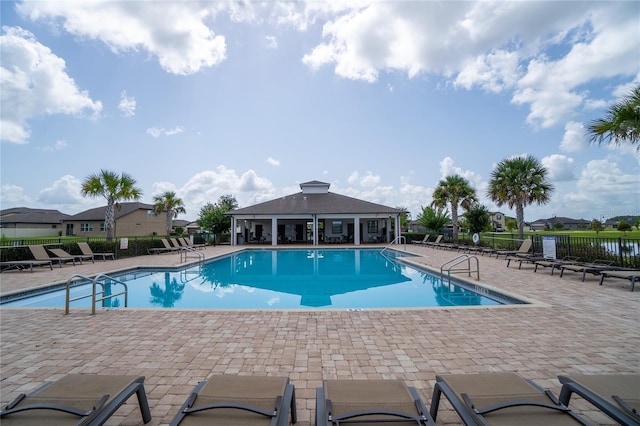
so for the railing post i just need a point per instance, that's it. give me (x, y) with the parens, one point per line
(620, 255)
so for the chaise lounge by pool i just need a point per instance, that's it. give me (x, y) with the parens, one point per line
(280, 279)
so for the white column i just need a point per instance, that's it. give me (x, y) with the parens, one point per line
(234, 234)
(356, 230)
(274, 231)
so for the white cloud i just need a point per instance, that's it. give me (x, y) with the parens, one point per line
(14, 195)
(157, 132)
(58, 145)
(173, 32)
(64, 191)
(559, 167)
(573, 139)
(273, 161)
(127, 104)
(272, 42)
(35, 83)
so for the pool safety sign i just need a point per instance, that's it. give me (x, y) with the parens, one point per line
(549, 247)
(124, 243)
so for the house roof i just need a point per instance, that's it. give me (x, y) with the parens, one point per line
(315, 203)
(559, 219)
(99, 212)
(27, 215)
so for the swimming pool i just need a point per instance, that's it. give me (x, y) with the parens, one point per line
(283, 279)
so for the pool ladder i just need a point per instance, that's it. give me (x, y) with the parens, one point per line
(185, 251)
(95, 296)
(450, 266)
(401, 239)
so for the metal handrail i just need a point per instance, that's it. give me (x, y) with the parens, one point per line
(186, 250)
(94, 294)
(398, 238)
(457, 261)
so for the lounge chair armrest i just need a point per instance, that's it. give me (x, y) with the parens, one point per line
(266, 413)
(394, 413)
(626, 407)
(512, 403)
(55, 407)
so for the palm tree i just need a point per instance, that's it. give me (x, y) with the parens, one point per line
(456, 191)
(519, 181)
(168, 202)
(114, 188)
(622, 122)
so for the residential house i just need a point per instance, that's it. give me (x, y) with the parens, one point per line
(557, 221)
(132, 220)
(23, 222)
(315, 216)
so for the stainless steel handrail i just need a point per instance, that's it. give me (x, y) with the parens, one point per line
(457, 261)
(94, 294)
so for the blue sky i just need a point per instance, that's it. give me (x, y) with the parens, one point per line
(380, 99)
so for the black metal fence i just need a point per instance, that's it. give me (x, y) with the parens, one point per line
(16, 249)
(619, 250)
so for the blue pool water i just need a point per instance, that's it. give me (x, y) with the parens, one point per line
(283, 279)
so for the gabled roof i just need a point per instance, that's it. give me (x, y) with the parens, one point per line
(27, 215)
(324, 203)
(98, 213)
(560, 219)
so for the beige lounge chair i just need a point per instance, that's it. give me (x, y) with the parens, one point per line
(85, 399)
(24, 264)
(618, 396)
(239, 401)
(40, 253)
(501, 399)
(86, 250)
(436, 242)
(631, 275)
(168, 248)
(188, 243)
(423, 241)
(596, 267)
(370, 402)
(58, 252)
(523, 250)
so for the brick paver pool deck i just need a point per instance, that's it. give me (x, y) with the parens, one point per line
(577, 327)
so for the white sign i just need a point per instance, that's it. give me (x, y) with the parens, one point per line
(549, 247)
(124, 243)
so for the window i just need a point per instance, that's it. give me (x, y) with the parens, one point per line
(372, 226)
(150, 213)
(336, 227)
(102, 227)
(86, 227)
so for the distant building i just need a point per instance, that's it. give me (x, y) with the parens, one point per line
(132, 220)
(498, 221)
(23, 222)
(558, 222)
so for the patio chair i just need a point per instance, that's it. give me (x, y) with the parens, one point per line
(86, 250)
(500, 399)
(595, 267)
(187, 242)
(436, 242)
(423, 241)
(369, 402)
(58, 252)
(239, 400)
(523, 250)
(632, 275)
(85, 399)
(555, 263)
(40, 253)
(618, 396)
(24, 264)
(166, 249)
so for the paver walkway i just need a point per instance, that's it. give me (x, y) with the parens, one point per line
(577, 327)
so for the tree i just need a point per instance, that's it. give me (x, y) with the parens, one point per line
(434, 219)
(168, 202)
(621, 123)
(511, 225)
(478, 218)
(624, 226)
(213, 218)
(457, 192)
(114, 188)
(596, 225)
(518, 182)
